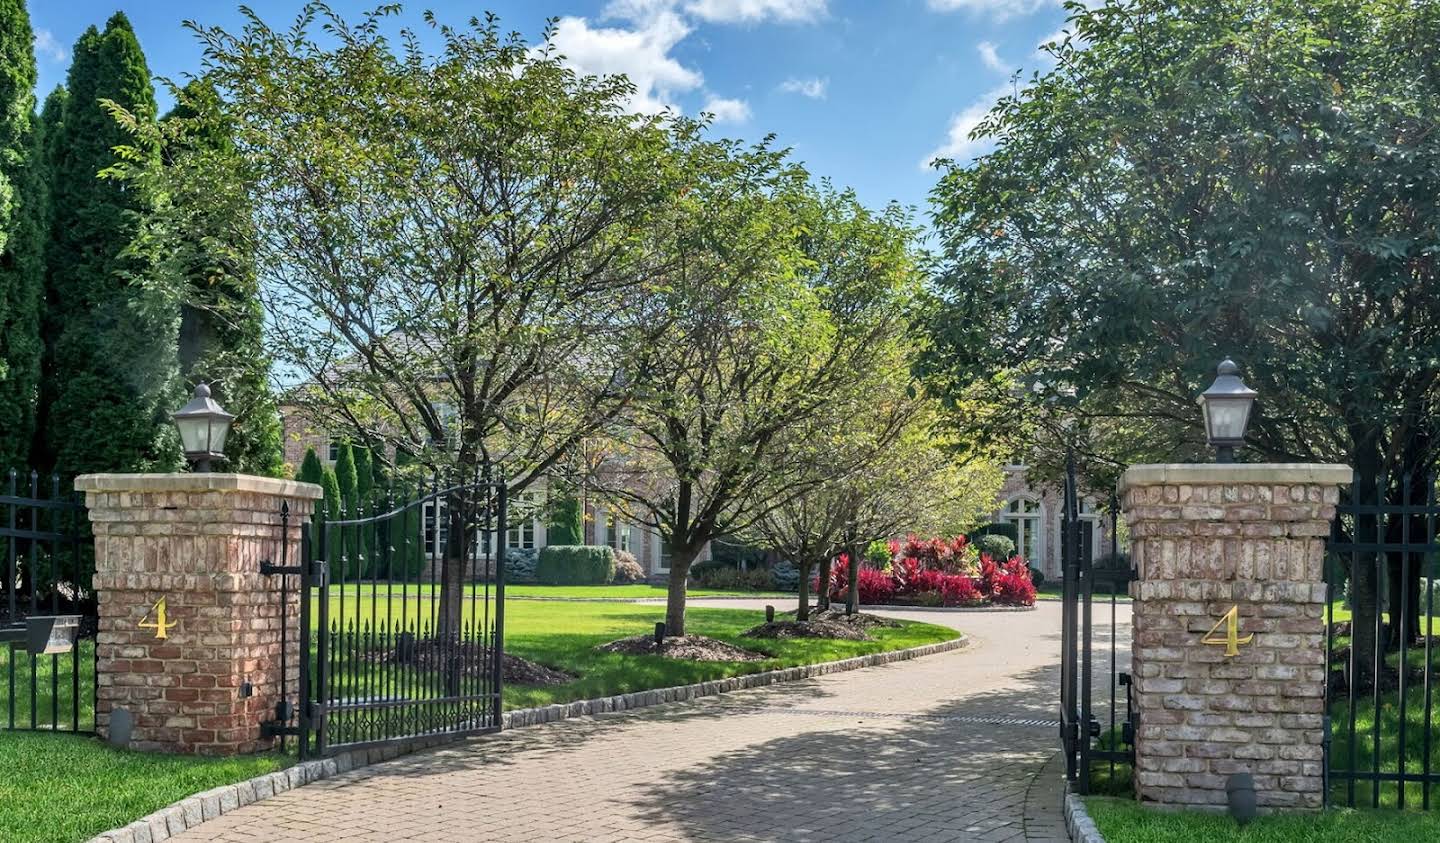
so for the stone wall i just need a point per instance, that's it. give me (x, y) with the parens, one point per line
(1206, 539)
(196, 541)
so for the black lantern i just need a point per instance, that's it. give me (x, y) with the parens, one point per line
(1226, 405)
(203, 426)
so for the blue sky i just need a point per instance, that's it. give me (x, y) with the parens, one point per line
(863, 91)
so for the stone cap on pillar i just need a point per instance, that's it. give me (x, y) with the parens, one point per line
(197, 482)
(1214, 474)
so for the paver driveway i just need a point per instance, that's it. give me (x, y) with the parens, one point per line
(947, 747)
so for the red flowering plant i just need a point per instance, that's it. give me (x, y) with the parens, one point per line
(938, 571)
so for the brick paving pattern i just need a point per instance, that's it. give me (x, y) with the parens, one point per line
(948, 747)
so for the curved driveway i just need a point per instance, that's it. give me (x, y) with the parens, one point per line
(946, 747)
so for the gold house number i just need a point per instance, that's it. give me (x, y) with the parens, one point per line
(1231, 638)
(159, 624)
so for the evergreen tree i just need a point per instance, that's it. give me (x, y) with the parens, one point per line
(364, 474)
(311, 469)
(114, 353)
(346, 477)
(331, 487)
(24, 225)
(221, 320)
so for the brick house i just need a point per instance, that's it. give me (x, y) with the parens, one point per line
(602, 526)
(1037, 510)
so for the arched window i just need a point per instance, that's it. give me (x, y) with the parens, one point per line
(1026, 515)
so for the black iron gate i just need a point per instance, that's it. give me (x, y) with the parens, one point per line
(402, 617)
(1093, 733)
(1382, 719)
(47, 611)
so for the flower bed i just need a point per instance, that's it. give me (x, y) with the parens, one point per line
(937, 572)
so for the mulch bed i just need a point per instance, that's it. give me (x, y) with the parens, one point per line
(859, 619)
(814, 628)
(691, 647)
(518, 671)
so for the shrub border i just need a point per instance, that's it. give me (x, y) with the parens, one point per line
(192, 811)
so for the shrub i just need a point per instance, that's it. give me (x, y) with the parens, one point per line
(879, 553)
(876, 587)
(627, 568)
(996, 546)
(1007, 584)
(520, 565)
(725, 577)
(998, 528)
(1037, 577)
(562, 564)
(785, 577)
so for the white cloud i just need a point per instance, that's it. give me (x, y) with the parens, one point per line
(47, 45)
(642, 54)
(756, 11)
(959, 145)
(815, 88)
(990, 56)
(997, 10)
(727, 110)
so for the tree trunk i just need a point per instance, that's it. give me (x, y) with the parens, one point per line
(822, 584)
(802, 609)
(852, 596)
(680, 561)
(452, 588)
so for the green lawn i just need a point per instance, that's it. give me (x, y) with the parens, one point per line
(72, 787)
(1126, 821)
(1051, 590)
(631, 592)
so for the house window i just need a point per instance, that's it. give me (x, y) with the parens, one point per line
(617, 534)
(334, 450)
(522, 534)
(437, 530)
(1025, 514)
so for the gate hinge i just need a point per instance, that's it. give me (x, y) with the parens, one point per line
(275, 729)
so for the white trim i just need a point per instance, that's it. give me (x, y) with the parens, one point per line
(1035, 518)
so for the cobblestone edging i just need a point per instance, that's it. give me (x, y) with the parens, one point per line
(1077, 821)
(207, 805)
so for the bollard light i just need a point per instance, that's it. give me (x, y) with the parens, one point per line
(204, 426)
(1226, 406)
(1240, 794)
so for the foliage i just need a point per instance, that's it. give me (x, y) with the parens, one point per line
(627, 568)
(24, 227)
(784, 576)
(879, 553)
(996, 546)
(112, 360)
(725, 577)
(221, 319)
(998, 528)
(575, 565)
(1127, 821)
(1203, 178)
(566, 524)
(939, 572)
(330, 488)
(520, 565)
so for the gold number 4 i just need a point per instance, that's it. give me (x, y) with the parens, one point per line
(1231, 639)
(159, 624)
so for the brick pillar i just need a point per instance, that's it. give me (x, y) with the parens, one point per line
(196, 541)
(1206, 538)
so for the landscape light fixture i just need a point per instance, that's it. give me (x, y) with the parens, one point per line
(1226, 405)
(203, 426)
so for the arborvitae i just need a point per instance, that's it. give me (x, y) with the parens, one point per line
(331, 488)
(346, 477)
(311, 469)
(113, 381)
(221, 320)
(24, 225)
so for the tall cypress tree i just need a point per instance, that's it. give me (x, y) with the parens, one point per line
(114, 354)
(221, 320)
(24, 225)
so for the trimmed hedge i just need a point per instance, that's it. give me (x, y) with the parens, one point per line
(997, 528)
(573, 564)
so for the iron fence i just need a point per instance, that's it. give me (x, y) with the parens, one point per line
(47, 612)
(1382, 748)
